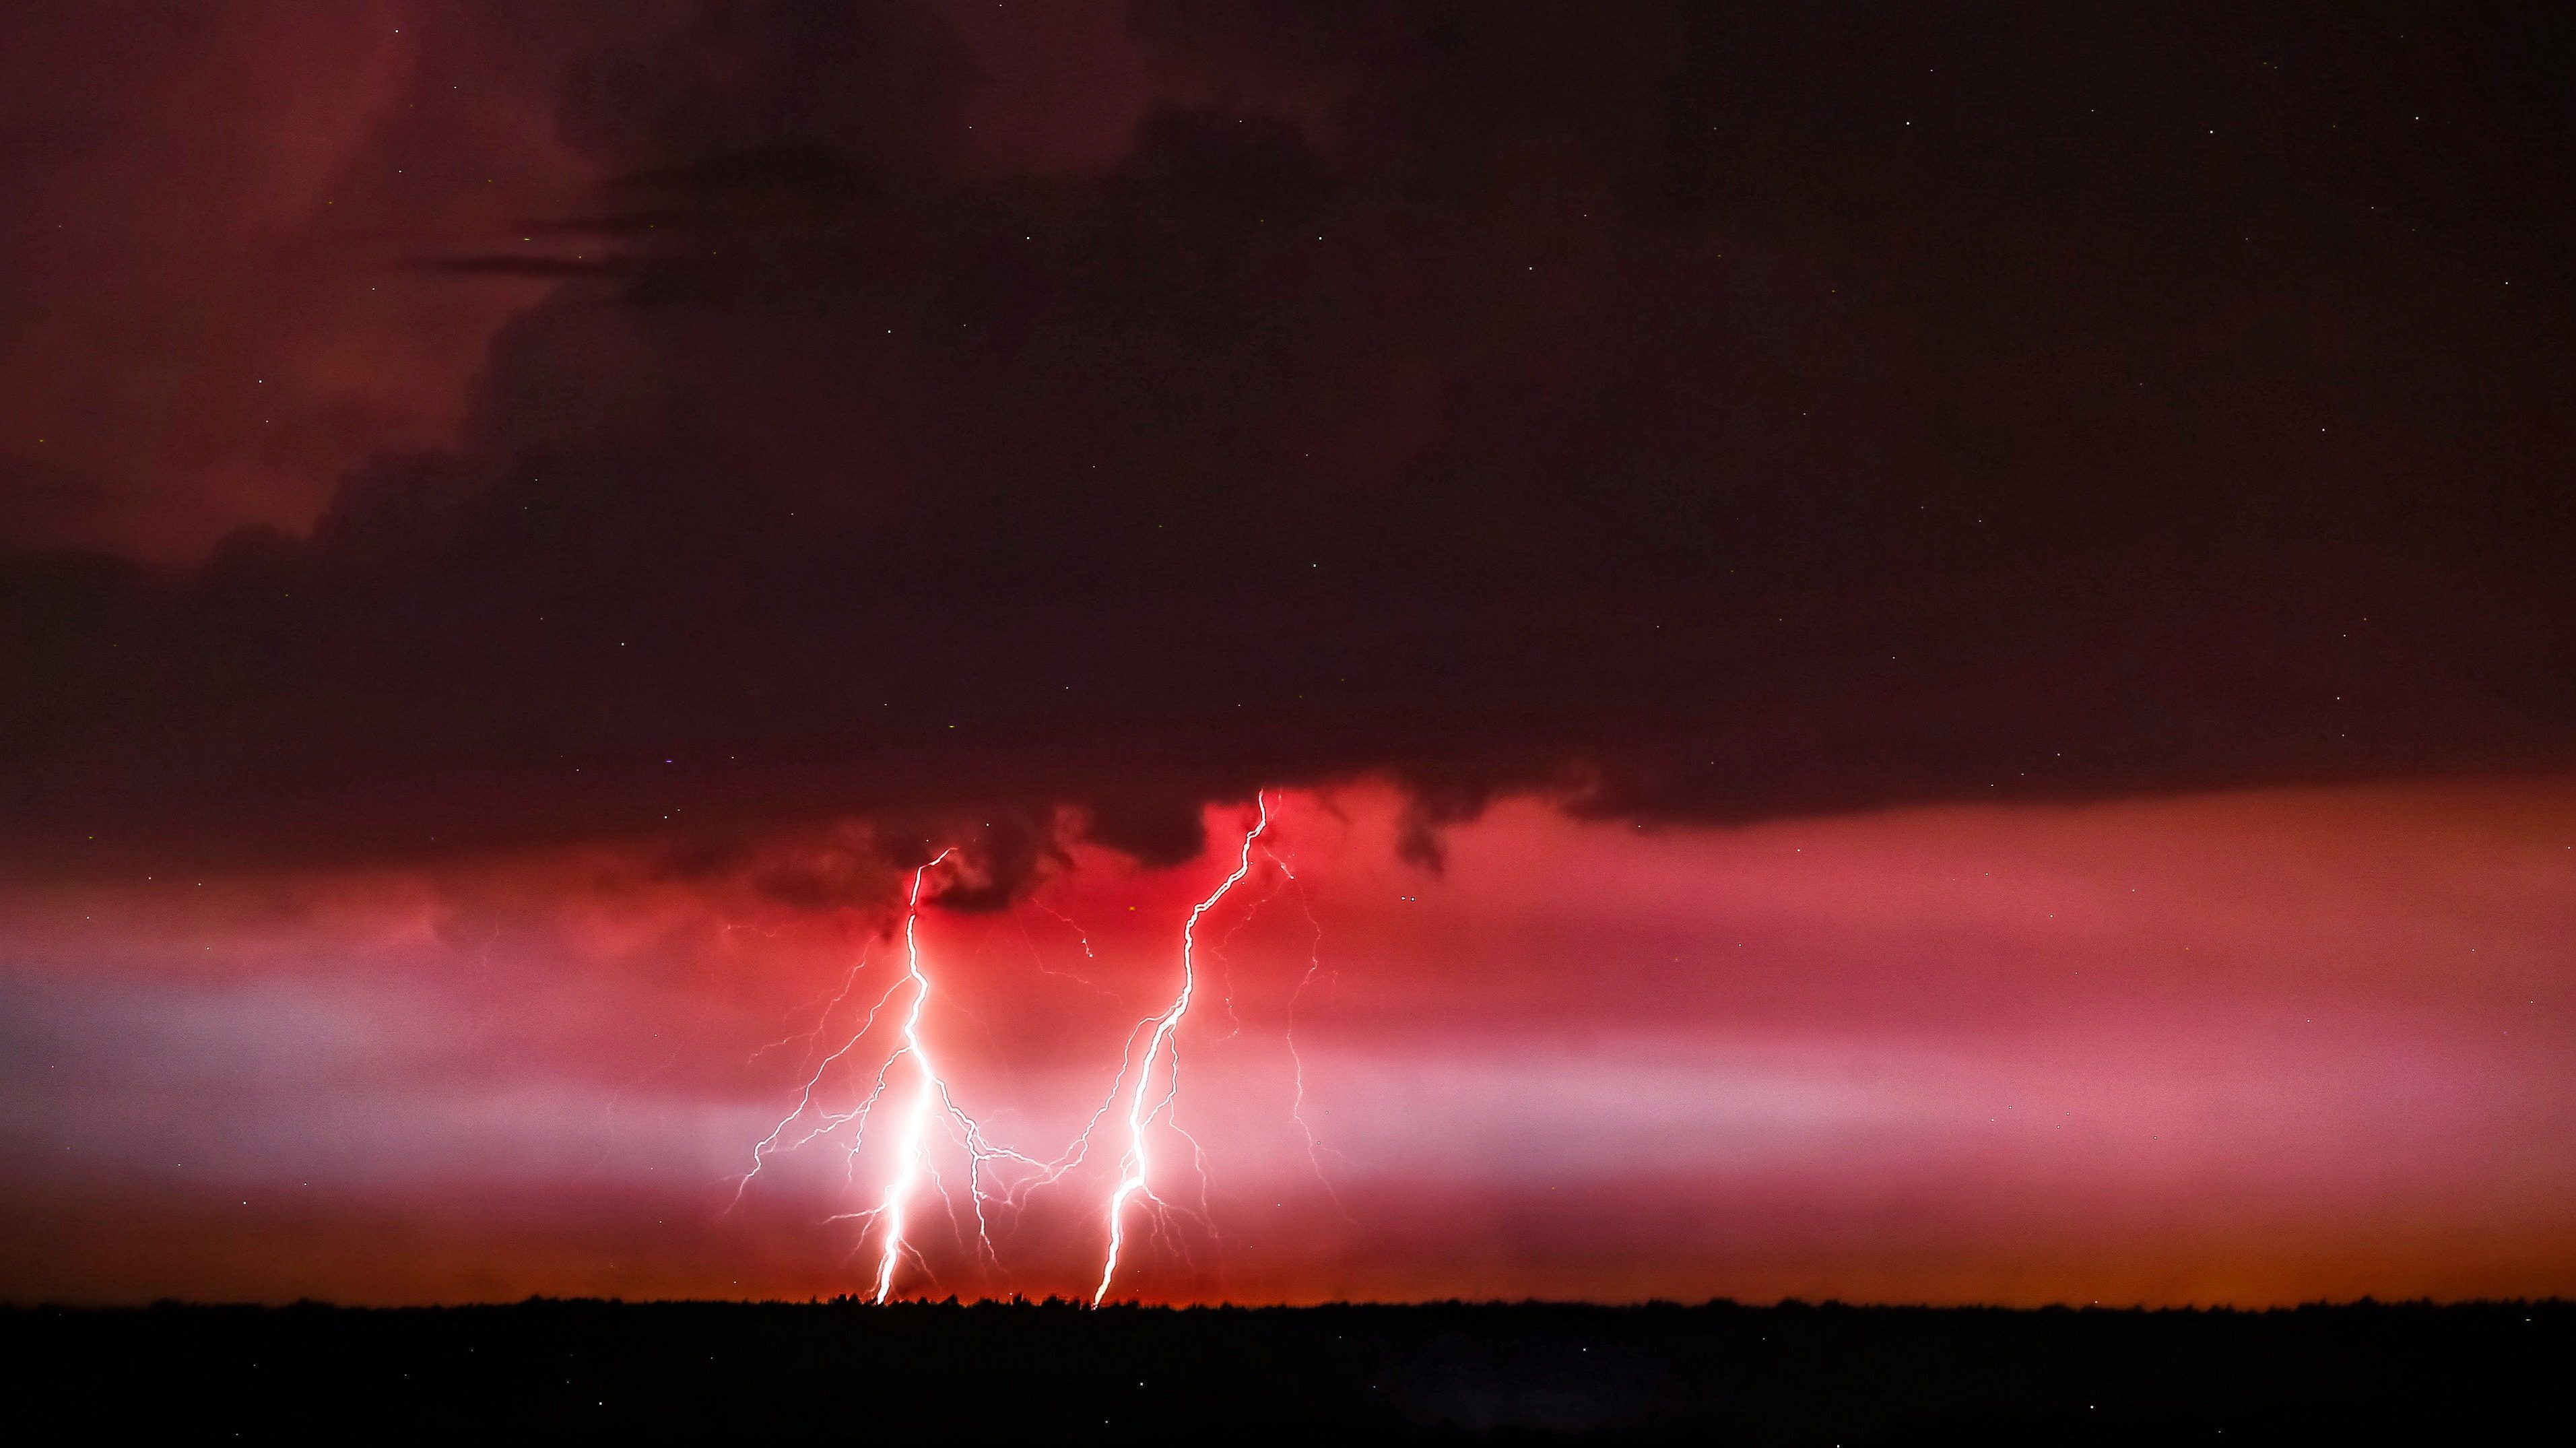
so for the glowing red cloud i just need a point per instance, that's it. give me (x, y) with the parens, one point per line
(2251, 1047)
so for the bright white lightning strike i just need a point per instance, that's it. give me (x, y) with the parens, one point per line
(1135, 1168)
(925, 1099)
(898, 1194)
(929, 1099)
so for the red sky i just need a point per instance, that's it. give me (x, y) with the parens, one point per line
(215, 206)
(220, 212)
(1975, 607)
(2253, 1047)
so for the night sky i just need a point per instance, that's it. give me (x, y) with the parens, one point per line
(1898, 652)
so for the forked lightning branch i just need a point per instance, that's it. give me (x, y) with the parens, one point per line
(905, 1083)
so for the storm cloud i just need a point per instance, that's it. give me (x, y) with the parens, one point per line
(1486, 397)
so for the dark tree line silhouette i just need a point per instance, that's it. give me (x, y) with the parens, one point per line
(1044, 1372)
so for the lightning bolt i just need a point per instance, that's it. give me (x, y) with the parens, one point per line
(916, 1121)
(1135, 1168)
(929, 1102)
(906, 1080)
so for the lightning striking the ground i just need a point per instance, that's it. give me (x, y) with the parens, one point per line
(916, 1118)
(907, 1081)
(1135, 1168)
(929, 1100)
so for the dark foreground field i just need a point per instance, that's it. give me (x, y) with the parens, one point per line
(842, 1372)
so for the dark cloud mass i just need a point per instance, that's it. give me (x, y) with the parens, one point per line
(1714, 411)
